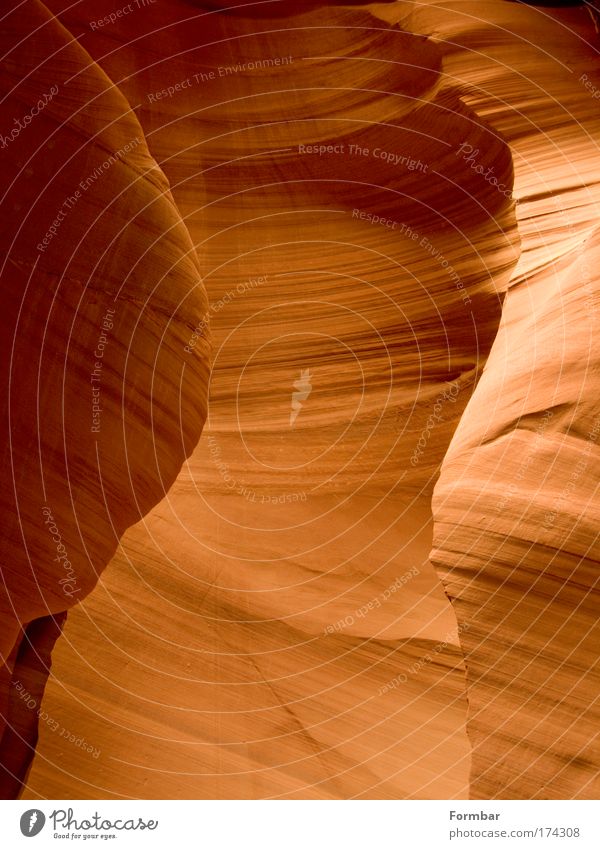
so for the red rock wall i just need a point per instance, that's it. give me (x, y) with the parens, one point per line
(101, 292)
(392, 210)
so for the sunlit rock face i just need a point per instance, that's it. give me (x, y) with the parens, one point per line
(522, 568)
(274, 627)
(516, 510)
(351, 313)
(101, 290)
(24, 683)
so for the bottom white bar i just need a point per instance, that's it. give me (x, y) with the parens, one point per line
(303, 825)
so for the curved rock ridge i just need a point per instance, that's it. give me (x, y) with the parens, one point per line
(274, 628)
(26, 676)
(516, 514)
(354, 293)
(218, 707)
(279, 172)
(101, 291)
(517, 543)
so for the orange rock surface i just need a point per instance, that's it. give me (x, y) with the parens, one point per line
(392, 211)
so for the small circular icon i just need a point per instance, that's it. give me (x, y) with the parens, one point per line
(32, 822)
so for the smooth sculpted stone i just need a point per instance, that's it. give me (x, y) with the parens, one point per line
(101, 293)
(274, 627)
(516, 507)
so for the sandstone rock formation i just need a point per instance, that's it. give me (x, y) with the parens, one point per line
(101, 293)
(274, 627)
(516, 506)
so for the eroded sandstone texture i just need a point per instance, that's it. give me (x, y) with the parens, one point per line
(101, 290)
(392, 211)
(516, 507)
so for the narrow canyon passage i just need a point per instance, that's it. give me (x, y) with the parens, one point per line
(346, 552)
(305, 629)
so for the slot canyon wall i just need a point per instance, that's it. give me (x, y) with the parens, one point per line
(300, 400)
